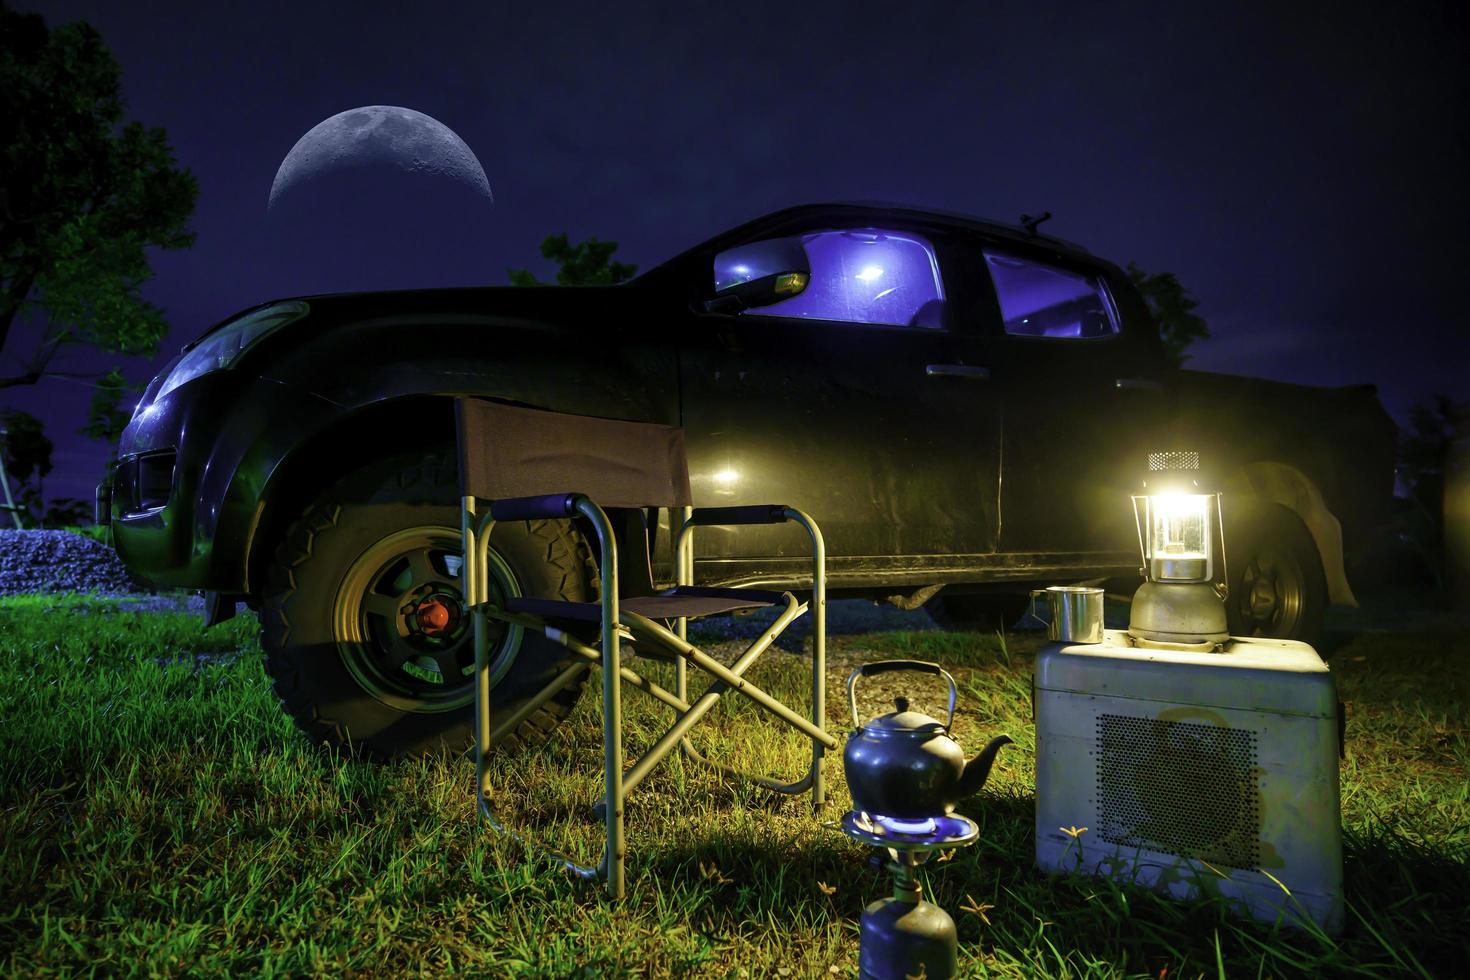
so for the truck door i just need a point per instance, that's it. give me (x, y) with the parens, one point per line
(851, 401)
(1081, 385)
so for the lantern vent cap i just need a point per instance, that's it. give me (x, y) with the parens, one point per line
(1174, 460)
(1177, 471)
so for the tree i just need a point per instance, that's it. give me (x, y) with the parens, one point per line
(587, 263)
(81, 198)
(27, 458)
(1173, 309)
(26, 452)
(1436, 427)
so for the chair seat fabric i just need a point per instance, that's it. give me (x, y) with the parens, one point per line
(688, 601)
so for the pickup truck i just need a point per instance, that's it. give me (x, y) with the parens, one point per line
(965, 407)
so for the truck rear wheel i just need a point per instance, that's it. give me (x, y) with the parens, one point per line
(1277, 588)
(366, 636)
(983, 612)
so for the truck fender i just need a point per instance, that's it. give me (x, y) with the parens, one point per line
(282, 479)
(1280, 483)
(332, 450)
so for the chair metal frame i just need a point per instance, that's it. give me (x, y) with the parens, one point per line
(619, 625)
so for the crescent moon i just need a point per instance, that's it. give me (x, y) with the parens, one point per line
(413, 141)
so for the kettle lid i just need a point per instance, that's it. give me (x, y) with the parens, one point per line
(902, 720)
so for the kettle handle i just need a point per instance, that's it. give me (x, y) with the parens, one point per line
(883, 667)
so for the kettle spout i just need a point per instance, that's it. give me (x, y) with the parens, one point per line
(977, 770)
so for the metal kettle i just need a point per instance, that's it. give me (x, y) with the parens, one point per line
(905, 765)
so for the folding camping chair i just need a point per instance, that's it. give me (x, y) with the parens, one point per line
(520, 463)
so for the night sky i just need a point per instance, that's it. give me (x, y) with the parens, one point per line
(1302, 170)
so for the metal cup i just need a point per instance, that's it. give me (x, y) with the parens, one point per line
(1076, 612)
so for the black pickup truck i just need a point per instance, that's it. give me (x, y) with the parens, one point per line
(963, 406)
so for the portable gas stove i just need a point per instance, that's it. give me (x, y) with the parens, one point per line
(906, 935)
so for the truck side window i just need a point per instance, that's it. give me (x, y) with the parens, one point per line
(1040, 300)
(868, 276)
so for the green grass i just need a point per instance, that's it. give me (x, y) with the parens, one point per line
(160, 816)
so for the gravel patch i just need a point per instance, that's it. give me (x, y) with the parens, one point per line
(192, 603)
(59, 561)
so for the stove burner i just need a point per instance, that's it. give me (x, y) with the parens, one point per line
(893, 824)
(928, 834)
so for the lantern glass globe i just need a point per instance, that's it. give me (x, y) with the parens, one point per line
(1180, 543)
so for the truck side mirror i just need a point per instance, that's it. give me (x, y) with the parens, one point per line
(759, 274)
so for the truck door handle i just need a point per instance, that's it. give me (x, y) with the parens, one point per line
(1138, 384)
(958, 371)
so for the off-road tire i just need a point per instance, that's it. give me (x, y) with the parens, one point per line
(1277, 586)
(983, 612)
(301, 632)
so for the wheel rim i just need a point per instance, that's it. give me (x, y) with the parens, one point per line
(1272, 594)
(403, 631)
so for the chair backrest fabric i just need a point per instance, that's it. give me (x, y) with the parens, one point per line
(506, 451)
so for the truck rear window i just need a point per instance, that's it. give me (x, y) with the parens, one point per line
(1041, 300)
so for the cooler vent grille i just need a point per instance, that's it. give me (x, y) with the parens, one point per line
(1179, 788)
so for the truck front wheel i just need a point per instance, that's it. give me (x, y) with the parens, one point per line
(367, 638)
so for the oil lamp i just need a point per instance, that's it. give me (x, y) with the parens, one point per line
(1179, 521)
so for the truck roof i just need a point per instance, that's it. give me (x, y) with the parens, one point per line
(875, 212)
(845, 211)
(989, 225)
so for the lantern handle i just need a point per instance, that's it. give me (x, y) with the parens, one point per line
(885, 666)
(1138, 522)
(1223, 589)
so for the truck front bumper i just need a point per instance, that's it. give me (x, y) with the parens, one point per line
(186, 493)
(154, 496)
(102, 513)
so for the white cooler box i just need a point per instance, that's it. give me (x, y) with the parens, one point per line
(1179, 763)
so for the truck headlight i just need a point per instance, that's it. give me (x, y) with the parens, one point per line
(218, 350)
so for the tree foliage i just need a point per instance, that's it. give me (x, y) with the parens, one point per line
(27, 449)
(82, 196)
(106, 417)
(586, 263)
(1173, 309)
(26, 452)
(27, 459)
(1436, 427)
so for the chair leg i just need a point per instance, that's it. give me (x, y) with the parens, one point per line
(684, 575)
(685, 721)
(612, 736)
(725, 679)
(476, 537)
(482, 712)
(612, 700)
(819, 672)
(819, 647)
